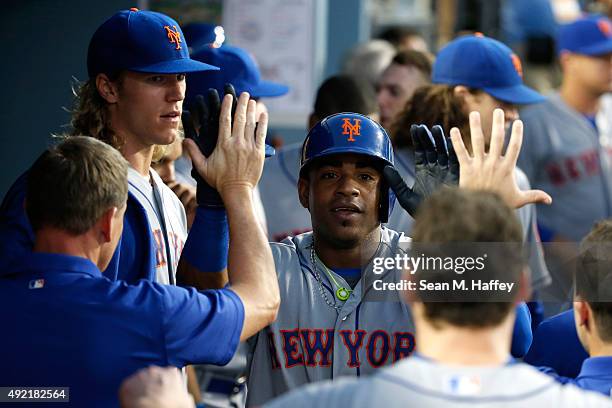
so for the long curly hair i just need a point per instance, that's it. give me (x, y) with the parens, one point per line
(90, 115)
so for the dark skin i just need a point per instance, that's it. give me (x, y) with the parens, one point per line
(343, 239)
(342, 194)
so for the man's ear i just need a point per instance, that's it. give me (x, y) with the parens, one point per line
(583, 313)
(107, 225)
(304, 192)
(107, 89)
(461, 91)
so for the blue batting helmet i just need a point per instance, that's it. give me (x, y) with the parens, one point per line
(351, 133)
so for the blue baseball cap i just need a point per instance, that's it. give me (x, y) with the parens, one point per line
(141, 41)
(591, 35)
(483, 63)
(237, 68)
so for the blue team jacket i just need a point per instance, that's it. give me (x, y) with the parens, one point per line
(133, 259)
(66, 325)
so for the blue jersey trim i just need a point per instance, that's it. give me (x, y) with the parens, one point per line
(144, 195)
(357, 328)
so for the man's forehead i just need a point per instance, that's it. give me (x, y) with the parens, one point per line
(358, 160)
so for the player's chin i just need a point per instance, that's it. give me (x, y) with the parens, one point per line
(166, 136)
(347, 233)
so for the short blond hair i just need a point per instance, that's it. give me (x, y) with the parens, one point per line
(73, 183)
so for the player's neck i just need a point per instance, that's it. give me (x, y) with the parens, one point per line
(138, 156)
(55, 241)
(599, 348)
(579, 98)
(334, 256)
(465, 346)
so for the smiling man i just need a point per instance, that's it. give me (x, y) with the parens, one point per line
(325, 329)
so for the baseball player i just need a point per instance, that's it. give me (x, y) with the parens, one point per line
(72, 327)
(286, 216)
(324, 328)
(464, 85)
(463, 348)
(569, 137)
(133, 101)
(568, 151)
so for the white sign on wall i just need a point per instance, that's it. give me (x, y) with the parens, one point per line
(280, 34)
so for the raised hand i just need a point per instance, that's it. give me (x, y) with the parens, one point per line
(494, 171)
(204, 115)
(237, 158)
(436, 165)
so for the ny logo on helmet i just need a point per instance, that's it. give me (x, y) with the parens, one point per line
(174, 36)
(353, 129)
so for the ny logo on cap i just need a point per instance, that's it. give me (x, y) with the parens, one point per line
(605, 27)
(353, 129)
(518, 67)
(174, 36)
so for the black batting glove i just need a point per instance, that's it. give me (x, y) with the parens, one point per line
(436, 165)
(203, 114)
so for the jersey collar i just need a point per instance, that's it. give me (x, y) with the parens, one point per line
(596, 366)
(51, 263)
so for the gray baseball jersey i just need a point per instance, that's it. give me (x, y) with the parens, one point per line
(287, 217)
(564, 155)
(311, 340)
(166, 216)
(419, 382)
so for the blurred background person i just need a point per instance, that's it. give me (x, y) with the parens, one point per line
(367, 61)
(461, 85)
(404, 38)
(407, 71)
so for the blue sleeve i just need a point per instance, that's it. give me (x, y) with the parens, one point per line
(201, 327)
(556, 345)
(522, 335)
(207, 244)
(16, 235)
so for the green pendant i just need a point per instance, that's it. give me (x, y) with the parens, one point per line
(342, 294)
